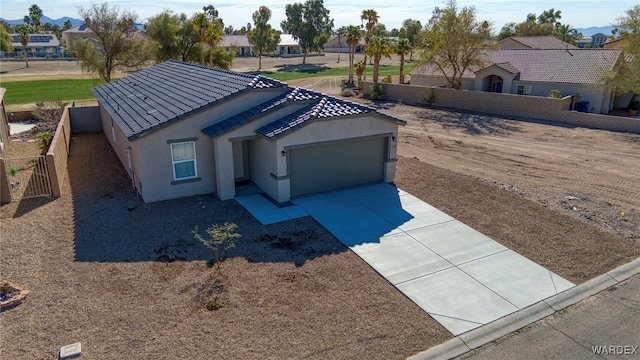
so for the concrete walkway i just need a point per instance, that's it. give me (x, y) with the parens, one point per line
(462, 278)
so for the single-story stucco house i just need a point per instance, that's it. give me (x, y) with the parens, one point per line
(536, 72)
(182, 129)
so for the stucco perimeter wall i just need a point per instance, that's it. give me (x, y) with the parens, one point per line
(508, 105)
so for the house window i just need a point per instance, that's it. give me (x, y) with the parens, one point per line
(523, 90)
(183, 156)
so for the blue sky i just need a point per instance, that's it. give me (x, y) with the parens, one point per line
(578, 13)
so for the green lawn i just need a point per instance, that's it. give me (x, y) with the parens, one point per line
(315, 71)
(25, 92)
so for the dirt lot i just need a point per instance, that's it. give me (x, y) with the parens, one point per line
(567, 198)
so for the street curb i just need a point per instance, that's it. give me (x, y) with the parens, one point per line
(492, 331)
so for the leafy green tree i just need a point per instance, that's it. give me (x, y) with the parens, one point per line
(221, 58)
(353, 35)
(163, 29)
(24, 32)
(454, 42)
(403, 48)
(67, 25)
(309, 23)
(411, 30)
(508, 30)
(115, 41)
(371, 17)
(379, 47)
(627, 75)
(263, 38)
(5, 39)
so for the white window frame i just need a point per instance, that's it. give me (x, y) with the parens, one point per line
(194, 160)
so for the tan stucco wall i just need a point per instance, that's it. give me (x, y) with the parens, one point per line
(225, 184)
(439, 81)
(154, 153)
(599, 97)
(120, 144)
(518, 106)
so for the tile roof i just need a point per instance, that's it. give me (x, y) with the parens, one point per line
(319, 106)
(575, 66)
(170, 91)
(538, 42)
(322, 107)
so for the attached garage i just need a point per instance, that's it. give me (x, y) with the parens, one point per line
(335, 165)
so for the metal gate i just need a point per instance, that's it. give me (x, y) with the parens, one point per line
(28, 177)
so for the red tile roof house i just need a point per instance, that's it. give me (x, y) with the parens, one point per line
(182, 129)
(536, 72)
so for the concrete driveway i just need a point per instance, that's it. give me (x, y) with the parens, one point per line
(462, 278)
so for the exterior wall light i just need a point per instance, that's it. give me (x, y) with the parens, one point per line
(284, 153)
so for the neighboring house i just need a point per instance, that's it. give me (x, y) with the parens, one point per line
(82, 31)
(533, 42)
(593, 41)
(536, 72)
(238, 44)
(288, 45)
(39, 45)
(332, 45)
(615, 43)
(182, 129)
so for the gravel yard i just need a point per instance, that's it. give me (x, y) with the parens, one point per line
(133, 282)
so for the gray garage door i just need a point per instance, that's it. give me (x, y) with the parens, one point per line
(337, 165)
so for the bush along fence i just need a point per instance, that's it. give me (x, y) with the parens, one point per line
(507, 105)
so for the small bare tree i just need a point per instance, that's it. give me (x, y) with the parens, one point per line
(221, 238)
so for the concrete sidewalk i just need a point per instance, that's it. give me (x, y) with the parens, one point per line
(462, 278)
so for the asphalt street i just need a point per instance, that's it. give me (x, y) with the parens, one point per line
(606, 325)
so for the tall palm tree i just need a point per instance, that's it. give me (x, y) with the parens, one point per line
(213, 36)
(25, 35)
(565, 33)
(201, 22)
(371, 17)
(403, 48)
(379, 47)
(353, 36)
(340, 33)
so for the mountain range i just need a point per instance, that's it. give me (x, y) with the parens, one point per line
(596, 29)
(45, 19)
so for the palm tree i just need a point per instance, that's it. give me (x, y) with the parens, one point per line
(201, 22)
(403, 48)
(340, 33)
(371, 17)
(25, 35)
(35, 14)
(353, 35)
(379, 47)
(565, 33)
(213, 36)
